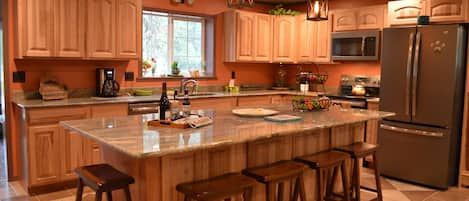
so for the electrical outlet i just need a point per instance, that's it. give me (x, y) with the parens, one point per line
(129, 76)
(19, 76)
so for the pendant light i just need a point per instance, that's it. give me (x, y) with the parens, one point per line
(240, 3)
(317, 10)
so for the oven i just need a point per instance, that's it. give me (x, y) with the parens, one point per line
(347, 97)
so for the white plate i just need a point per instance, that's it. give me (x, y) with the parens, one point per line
(254, 112)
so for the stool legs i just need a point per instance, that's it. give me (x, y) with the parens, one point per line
(247, 195)
(109, 196)
(299, 189)
(377, 178)
(345, 182)
(356, 178)
(99, 196)
(79, 195)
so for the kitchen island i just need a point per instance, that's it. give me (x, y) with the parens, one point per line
(161, 158)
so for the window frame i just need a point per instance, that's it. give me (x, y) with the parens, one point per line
(185, 17)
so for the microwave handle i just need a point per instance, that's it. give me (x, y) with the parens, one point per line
(363, 45)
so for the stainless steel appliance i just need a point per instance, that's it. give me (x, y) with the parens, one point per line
(349, 84)
(422, 81)
(106, 85)
(356, 45)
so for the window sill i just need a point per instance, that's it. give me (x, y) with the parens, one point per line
(149, 79)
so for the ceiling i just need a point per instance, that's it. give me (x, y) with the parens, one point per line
(280, 1)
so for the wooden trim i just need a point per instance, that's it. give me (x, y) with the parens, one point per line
(49, 188)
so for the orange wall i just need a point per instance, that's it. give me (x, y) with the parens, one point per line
(81, 74)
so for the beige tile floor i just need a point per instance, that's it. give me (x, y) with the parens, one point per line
(392, 191)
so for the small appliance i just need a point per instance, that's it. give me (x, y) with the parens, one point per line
(356, 45)
(106, 85)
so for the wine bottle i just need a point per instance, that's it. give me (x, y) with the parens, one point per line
(164, 103)
(186, 104)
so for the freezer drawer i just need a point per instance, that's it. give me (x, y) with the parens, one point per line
(416, 154)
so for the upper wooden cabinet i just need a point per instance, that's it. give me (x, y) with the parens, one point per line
(36, 32)
(371, 17)
(70, 28)
(58, 28)
(446, 10)
(248, 37)
(305, 40)
(284, 39)
(101, 28)
(405, 11)
(323, 42)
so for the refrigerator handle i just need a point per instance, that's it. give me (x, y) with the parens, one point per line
(408, 73)
(410, 131)
(415, 73)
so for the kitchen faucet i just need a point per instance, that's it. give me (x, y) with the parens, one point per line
(185, 82)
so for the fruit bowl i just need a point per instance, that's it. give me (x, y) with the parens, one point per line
(310, 103)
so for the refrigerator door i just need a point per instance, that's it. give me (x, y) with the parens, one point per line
(437, 57)
(396, 69)
(415, 153)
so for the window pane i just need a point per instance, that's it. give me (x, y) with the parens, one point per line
(180, 46)
(195, 28)
(155, 43)
(180, 28)
(195, 47)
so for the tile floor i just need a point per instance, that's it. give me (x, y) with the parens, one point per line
(392, 190)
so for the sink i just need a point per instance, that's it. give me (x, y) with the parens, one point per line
(200, 94)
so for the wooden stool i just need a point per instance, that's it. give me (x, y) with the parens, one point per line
(328, 160)
(218, 188)
(102, 178)
(358, 151)
(276, 174)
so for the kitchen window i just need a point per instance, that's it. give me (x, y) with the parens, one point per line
(169, 38)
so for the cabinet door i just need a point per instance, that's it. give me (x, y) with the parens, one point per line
(405, 11)
(36, 27)
(370, 17)
(244, 36)
(44, 154)
(70, 28)
(72, 151)
(128, 28)
(92, 151)
(446, 10)
(305, 40)
(323, 42)
(263, 38)
(101, 28)
(345, 20)
(284, 39)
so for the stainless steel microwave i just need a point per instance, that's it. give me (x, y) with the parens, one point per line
(356, 45)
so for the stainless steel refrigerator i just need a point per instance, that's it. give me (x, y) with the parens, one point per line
(422, 81)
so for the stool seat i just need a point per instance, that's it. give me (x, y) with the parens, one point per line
(217, 188)
(358, 149)
(103, 176)
(276, 171)
(323, 159)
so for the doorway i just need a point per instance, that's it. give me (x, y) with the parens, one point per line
(3, 157)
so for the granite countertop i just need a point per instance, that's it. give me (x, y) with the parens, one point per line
(132, 136)
(38, 103)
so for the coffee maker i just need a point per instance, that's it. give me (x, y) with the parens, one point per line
(106, 85)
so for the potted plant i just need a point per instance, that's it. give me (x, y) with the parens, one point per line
(174, 68)
(149, 65)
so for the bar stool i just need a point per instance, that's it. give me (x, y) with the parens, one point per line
(328, 160)
(358, 151)
(102, 178)
(275, 175)
(218, 188)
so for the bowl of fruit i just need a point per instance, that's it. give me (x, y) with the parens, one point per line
(301, 103)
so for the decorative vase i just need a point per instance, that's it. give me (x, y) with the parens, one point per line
(175, 71)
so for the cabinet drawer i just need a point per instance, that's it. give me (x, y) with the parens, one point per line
(109, 110)
(54, 115)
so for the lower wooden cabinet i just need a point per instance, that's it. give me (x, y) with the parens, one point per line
(92, 152)
(254, 101)
(44, 154)
(72, 153)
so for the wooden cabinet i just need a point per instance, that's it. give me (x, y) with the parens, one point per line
(72, 154)
(36, 32)
(446, 10)
(284, 43)
(323, 42)
(263, 32)
(405, 11)
(305, 40)
(70, 28)
(44, 154)
(128, 28)
(371, 17)
(345, 20)
(248, 37)
(213, 103)
(101, 28)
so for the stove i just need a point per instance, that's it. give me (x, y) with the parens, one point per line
(348, 97)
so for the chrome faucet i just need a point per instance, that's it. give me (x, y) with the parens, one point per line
(185, 82)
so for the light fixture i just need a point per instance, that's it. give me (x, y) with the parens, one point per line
(190, 2)
(240, 3)
(317, 10)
